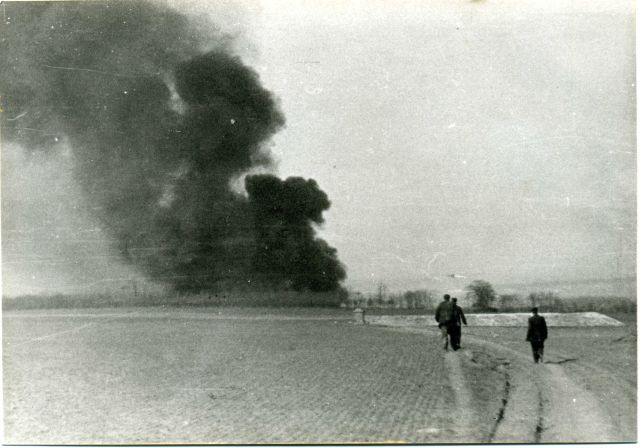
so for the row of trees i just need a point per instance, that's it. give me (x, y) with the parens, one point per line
(484, 298)
(480, 293)
(420, 299)
(481, 296)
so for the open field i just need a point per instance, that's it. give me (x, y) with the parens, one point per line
(218, 376)
(257, 375)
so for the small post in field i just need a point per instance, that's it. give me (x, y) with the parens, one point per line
(358, 315)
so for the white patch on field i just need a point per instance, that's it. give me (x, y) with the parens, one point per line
(589, 319)
(429, 431)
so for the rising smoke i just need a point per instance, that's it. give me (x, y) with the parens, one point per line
(161, 118)
(286, 247)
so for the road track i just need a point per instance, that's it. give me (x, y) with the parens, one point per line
(545, 405)
(541, 403)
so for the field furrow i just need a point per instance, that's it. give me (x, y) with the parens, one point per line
(172, 379)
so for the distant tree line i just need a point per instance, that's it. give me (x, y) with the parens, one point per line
(382, 298)
(480, 296)
(483, 298)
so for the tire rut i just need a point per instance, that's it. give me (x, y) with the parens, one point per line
(506, 395)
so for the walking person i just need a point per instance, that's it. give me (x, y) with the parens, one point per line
(537, 334)
(458, 320)
(444, 317)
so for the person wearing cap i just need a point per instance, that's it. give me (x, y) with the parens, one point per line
(458, 320)
(537, 334)
(444, 317)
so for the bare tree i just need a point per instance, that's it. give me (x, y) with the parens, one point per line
(481, 293)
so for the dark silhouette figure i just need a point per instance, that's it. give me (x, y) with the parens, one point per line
(456, 328)
(537, 334)
(444, 317)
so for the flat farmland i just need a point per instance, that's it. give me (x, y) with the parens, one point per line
(219, 376)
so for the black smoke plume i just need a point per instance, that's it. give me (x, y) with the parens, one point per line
(286, 245)
(161, 117)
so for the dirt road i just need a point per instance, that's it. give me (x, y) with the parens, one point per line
(543, 404)
(540, 403)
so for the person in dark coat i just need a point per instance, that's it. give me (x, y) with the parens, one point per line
(537, 334)
(444, 317)
(458, 320)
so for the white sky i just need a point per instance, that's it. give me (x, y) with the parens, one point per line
(499, 135)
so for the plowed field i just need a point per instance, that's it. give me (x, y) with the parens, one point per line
(211, 376)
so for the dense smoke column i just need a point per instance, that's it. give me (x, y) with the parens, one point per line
(288, 252)
(51, 51)
(159, 124)
(158, 129)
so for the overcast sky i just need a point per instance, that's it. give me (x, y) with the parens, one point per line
(488, 139)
